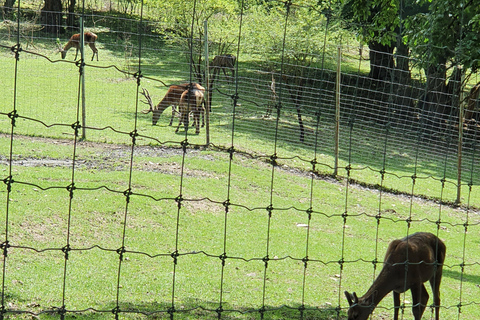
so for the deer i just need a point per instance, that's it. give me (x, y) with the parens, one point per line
(409, 262)
(191, 101)
(74, 42)
(171, 98)
(224, 62)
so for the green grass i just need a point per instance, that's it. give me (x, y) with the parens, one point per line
(97, 220)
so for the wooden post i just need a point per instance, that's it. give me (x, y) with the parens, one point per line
(337, 108)
(461, 113)
(207, 87)
(82, 77)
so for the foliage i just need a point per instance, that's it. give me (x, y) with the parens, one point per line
(425, 32)
(375, 20)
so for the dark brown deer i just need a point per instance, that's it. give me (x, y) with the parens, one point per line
(224, 62)
(409, 262)
(74, 42)
(171, 98)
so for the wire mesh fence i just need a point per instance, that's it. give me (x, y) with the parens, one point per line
(304, 172)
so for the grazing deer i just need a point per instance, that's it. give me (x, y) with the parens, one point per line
(171, 98)
(224, 62)
(74, 42)
(191, 101)
(409, 262)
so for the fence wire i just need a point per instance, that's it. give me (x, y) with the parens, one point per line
(402, 148)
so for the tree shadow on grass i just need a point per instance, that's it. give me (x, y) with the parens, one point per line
(461, 277)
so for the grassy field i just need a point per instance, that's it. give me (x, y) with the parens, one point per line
(97, 219)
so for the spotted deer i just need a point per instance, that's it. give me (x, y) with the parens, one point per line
(409, 262)
(74, 42)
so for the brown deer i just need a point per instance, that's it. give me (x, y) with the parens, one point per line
(224, 62)
(74, 42)
(191, 102)
(409, 262)
(171, 98)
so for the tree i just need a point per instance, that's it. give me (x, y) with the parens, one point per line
(51, 15)
(446, 34)
(377, 22)
(8, 6)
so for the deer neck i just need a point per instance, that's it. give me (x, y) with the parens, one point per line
(164, 104)
(383, 285)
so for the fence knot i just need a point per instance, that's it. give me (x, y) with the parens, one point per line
(116, 311)
(80, 64)
(121, 251)
(305, 261)
(70, 188)
(76, 127)
(179, 201)
(13, 115)
(16, 49)
(4, 247)
(234, 97)
(127, 193)
(269, 210)
(226, 204)
(309, 213)
(231, 151)
(9, 181)
(184, 145)
(171, 311)
(408, 221)
(175, 255)
(273, 160)
(138, 75)
(219, 311)
(262, 311)
(266, 259)
(134, 135)
(223, 257)
(66, 249)
(348, 168)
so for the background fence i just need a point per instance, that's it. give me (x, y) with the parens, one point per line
(143, 221)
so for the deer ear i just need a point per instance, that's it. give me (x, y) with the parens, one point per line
(355, 298)
(349, 297)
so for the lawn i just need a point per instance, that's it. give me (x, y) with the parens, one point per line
(150, 226)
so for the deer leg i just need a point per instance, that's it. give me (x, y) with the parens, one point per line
(174, 109)
(435, 284)
(420, 299)
(196, 120)
(76, 53)
(396, 304)
(180, 121)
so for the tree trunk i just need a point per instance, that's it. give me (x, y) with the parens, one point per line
(51, 16)
(71, 19)
(403, 67)
(381, 61)
(8, 6)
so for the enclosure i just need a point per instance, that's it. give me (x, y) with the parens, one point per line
(317, 152)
